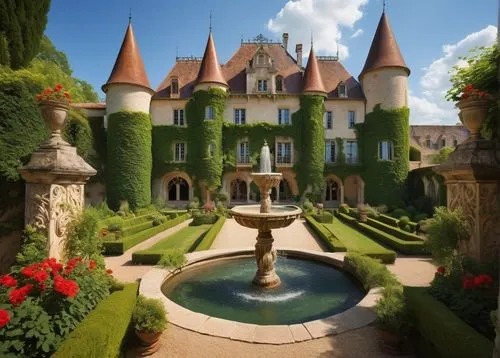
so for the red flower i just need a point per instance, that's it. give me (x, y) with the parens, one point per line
(468, 88)
(68, 288)
(48, 91)
(54, 266)
(441, 270)
(27, 271)
(8, 281)
(58, 87)
(17, 296)
(109, 271)
(468, 283)
(4, 318)
(483, 280)
(92, 264)
(41, 276)
(67, 95)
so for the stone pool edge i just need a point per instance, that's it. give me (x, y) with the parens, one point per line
(353, 318)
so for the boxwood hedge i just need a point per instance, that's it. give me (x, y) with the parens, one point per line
(333, 243)
(209, 238)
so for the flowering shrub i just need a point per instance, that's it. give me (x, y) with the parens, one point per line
(54, 94)
(44, 301)
(470, 92)
(465, 288)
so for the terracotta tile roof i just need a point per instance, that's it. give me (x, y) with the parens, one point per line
(234, 72)
(312, 78)
(128, 67)
(384, 51)
(210, 71)
(89, 105)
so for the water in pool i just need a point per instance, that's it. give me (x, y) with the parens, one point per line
(309, 290)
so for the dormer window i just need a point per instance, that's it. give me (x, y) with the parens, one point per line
(261, 59)
(279, 84)
(342, 90)
(262, 85)
(174, 86)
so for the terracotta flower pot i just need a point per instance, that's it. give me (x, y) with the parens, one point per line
(150, 343)
(473, 113)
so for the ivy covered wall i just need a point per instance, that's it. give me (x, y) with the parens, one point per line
(128, 174)
(385, 181)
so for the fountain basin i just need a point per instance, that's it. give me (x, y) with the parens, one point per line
(279, 217)
(358, 316)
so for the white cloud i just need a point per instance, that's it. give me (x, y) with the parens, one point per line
(324, 18)
(431, 107)
(357, 33)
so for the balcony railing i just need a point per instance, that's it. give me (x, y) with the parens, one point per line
(284, 159)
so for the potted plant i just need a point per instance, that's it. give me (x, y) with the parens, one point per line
(474, 106)
(363, 211)
(393, 321)
(149, 320)
(54, 106)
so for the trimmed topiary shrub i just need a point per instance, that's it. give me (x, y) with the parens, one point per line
(371, 272)
(204, 218)
(323, 217)
(128, 173)
(149, 315)
(210, 236)
(332, 242)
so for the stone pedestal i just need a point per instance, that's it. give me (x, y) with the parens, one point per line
(55, 178)
(472, 177)
(265, 255)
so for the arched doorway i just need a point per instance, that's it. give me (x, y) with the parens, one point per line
(178, 189)
(354, 190)
(285, 193)
(332, 192)
(238, 190)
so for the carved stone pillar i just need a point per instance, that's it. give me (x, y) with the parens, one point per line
(472, 177)
(55, 178)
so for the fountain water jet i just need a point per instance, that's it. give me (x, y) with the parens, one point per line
(265, 218)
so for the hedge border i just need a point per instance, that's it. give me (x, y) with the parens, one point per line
(448, 334)
(388, 220)
(397, 232)
(101, 333)
(210, 236)
(332, 243)
(118, 247)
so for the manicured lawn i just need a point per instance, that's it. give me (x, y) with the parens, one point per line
(355, 240)
(182, 239)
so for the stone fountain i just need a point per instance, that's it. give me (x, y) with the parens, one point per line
(264, 218)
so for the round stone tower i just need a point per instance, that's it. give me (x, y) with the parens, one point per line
(384, 77)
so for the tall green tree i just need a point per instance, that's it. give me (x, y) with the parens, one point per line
(49, 53)
(23, 22)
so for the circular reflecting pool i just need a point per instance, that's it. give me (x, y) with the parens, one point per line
(309, 290)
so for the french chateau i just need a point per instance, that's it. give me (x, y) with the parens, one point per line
(333, 136)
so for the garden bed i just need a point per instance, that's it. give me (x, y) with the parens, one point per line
(101, 333)
(446, 333)
(332, 243)
(210, 236)
(121, 245)
(186, 240)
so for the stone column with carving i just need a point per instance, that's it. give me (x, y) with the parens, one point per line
(472, 177)
(55, 178)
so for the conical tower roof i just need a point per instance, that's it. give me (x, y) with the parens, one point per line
(312, 77)
(210, 71)
(384, 51)
(128, 68)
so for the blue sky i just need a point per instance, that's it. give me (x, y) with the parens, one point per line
(431, 35)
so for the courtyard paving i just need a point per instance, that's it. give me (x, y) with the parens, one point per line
(179, 342)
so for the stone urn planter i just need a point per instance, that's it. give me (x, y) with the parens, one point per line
(149, 343)
(54, 114)
(363, 213)
(473, 113)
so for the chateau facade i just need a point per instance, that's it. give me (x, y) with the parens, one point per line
(333, 136)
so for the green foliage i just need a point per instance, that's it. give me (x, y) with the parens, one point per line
(446, 229)
(101, 333)
(344, 209)
(173, 259)
(450, 336)
(415, 154)
(324, 217)
(370, 271)
(392, 311)
(129, 149)
(149, 315)
(33, 247)
(385, 180)
(395, 231)
(329, 239)
(210, 236)
(204, 218)
(194, 204)
(388, 220)
(397, 213)
(78, 133)
(23, 22)
(403, 221)
(49, 53)
(4, 50)
(82, 237)
(115, 223)
(308, 207)
(443, 155)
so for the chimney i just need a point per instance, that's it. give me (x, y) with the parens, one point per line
(298, 51)
(285, 40)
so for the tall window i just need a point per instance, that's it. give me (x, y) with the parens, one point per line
(262, 85)
(209, 112)
(239, 116)
(174, 88)
(243, 156)
(328, 119)
(351, 151)
(342, 90)
(279, 83)
(178, 117)
(385, 150)
(180, 152)
(283, 116)
(443, 142)
(428, 143)
(351, 119)
(330, 151)
(260, 59)
(284, 150)
(455, 141)
(211, 150)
